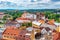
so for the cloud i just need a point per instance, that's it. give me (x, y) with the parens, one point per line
(30, 4)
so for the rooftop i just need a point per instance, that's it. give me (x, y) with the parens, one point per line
(23, 18)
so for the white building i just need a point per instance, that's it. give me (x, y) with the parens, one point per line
(57, 24)
(36, 24)
(29, 15)
(1, 31)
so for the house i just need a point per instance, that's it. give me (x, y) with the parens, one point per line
(22, 27)
(12, 23)
(46, 30)
(40, 15)
(12, 33)
(43, 31)
(23, 20)
(1, 31)
(51, 22)
(33, 32)
(58, 29)
(52, 27)
(29, 28)
(57, 24)
(1, 15)
(41, 21)
(56, 35)
(28, 15)
(36, 24)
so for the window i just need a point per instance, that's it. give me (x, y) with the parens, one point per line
(7, 36)
(14, 37)
(8, 33)
(10, 37)
(14, 34)
(4, 36)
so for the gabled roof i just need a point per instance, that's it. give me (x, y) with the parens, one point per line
(41, 21)
(51, 22)
(12, 31)
(22, 18)
(36, 22)
(46, 28)
(43, 31)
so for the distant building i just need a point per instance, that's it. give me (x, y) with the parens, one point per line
(40, 16)
(12, 23)
(28, 15)
(1, 15)
(23, 20)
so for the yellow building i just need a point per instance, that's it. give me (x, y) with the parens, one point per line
(22, 27)
(32, 35)
(58, 29)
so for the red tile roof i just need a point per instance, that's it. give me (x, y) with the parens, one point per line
(12, 30)
(51, 22)
(42, 21)
(23, 18)
(56, 36)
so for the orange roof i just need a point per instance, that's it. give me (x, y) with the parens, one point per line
(41, 21)
(56, 36)
(11, 31)
(23, 18)
(51, 21)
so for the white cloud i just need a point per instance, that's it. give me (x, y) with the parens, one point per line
(29, 4)
(45, 1)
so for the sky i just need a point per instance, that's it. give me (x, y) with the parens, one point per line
(29, 4)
